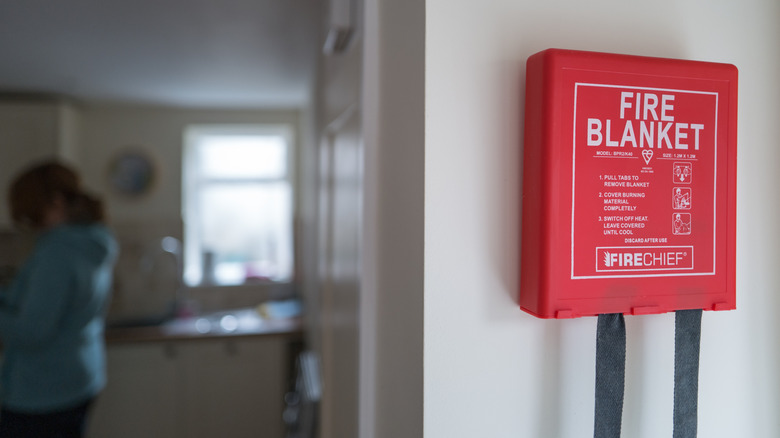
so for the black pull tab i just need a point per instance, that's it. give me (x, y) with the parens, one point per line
(687, 342)
(610, 374)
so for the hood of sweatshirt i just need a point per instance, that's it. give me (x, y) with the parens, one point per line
(94, 242)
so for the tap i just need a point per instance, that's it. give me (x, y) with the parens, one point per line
(173, 246)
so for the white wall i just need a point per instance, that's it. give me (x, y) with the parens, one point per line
(492, 370)
(108, 129)
(32, 130)
(159, 131)
(393, 108)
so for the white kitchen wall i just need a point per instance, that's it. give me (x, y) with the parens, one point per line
(494, 371)
(159, 131)
(108, 129)
(33, 129)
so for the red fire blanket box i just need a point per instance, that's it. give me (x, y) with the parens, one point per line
(629, 185)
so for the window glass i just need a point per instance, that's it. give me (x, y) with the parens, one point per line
(243, 156)
(238, 201)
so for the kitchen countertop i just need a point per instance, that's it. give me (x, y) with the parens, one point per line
(226, 324)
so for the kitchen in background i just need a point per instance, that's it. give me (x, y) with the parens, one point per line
(219, 358)
(113, 87)
(148, 222)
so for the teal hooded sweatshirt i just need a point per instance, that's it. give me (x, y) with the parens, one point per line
(52, 321)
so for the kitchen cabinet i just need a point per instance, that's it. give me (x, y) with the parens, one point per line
(31, 130)
(140, 399)
(221, 386)
(234, 388)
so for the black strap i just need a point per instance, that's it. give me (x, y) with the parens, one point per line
(687, 340)
(610, 374)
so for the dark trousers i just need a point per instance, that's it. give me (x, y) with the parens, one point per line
(69, 423)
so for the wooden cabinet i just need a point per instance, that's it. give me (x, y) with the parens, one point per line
(200, 388)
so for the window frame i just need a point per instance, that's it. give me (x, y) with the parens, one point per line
(192, 180)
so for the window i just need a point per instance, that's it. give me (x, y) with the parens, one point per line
(237, 204)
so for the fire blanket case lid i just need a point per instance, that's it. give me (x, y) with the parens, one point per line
(629, 185)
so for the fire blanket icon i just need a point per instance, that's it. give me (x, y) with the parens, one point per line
(629, 184)
(681, 199)
(683, 172)
(681, 224)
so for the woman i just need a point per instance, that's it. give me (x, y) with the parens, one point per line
(52, 314)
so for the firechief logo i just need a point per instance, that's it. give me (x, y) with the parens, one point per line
(644, 258)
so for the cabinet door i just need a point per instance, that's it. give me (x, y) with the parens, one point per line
(140, 397)
(30, 132)
(234, 387)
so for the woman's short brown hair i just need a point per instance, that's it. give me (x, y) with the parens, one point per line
(34, 190)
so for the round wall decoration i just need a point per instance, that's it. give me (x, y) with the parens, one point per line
(131, 172)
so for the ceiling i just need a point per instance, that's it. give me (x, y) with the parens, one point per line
(205, 53)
